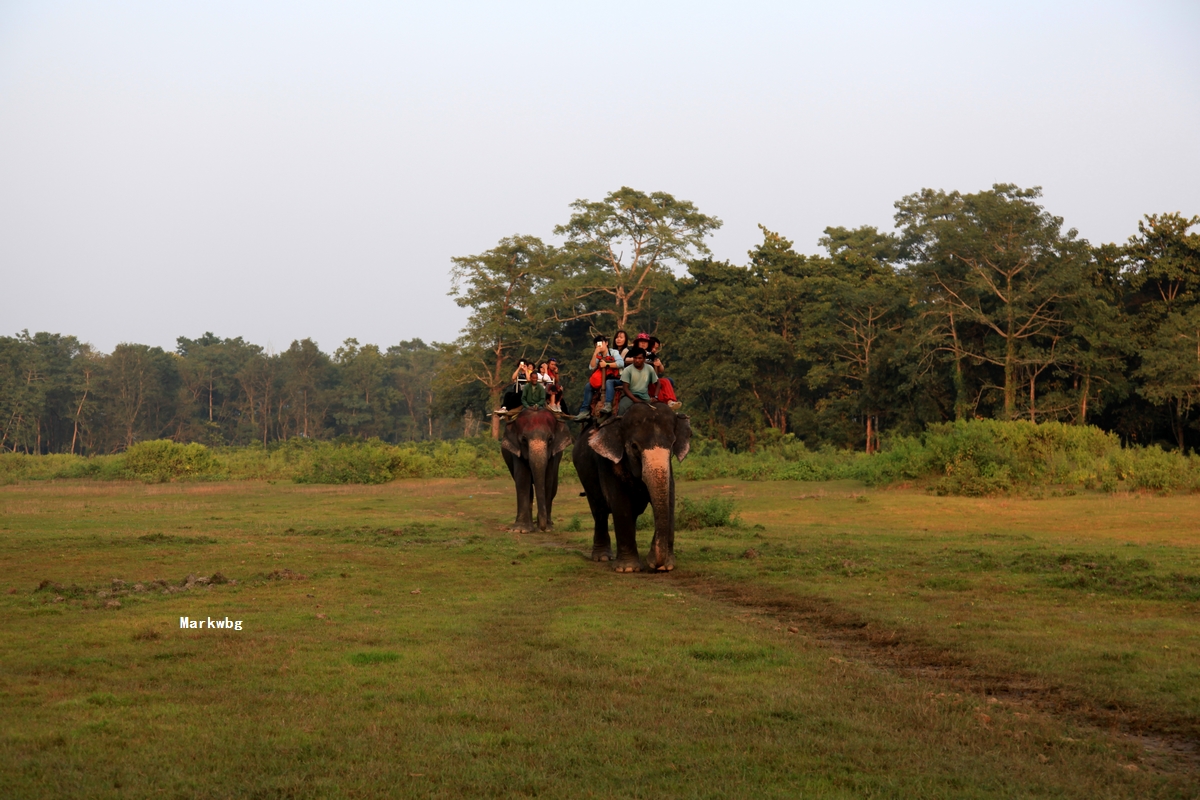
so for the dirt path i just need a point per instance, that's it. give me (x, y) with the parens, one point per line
(902, 652)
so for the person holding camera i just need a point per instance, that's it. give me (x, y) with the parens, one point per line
(605, 366)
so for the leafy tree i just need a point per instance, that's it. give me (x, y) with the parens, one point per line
(305, 377)
(140, 384)
(996, 260)
(745, 340)
(869, 303)
(1166, 278)
(620, 251)
(505, 288)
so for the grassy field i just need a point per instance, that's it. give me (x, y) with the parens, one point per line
(396, 641)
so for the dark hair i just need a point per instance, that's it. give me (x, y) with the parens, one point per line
(598, 338)
(653, 341)
(635, 352)
(620, 333)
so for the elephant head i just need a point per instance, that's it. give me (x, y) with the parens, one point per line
(536, 439)
(642, 442)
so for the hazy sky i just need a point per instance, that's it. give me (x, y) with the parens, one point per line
(281, 170)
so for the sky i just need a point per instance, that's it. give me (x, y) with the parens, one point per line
(301, 169)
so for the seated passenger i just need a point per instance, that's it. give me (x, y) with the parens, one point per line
(665, 387)
(520, 377)
(605, 364)
(620, 343)
(533, 395)
(636, 380)
(554, 389)
(619, 349)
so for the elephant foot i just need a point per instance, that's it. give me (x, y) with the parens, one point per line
(520, 527)
(602, 554)
(628, 563)
(661, 561)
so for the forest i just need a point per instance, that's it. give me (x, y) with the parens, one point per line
(977, 306)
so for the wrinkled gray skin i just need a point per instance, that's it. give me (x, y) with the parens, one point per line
(533, 445)
(624, 466)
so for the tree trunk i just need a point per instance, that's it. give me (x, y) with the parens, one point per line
(1010, 362)
(960, 385)
(1083, 402)
(494, 396)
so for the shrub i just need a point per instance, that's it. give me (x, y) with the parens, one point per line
(163, 460)
(368, 462)
(713, 512)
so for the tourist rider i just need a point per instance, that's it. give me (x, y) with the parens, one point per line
(553, 386)
(620, 343)
(520, 377)
(636, 380)
(666, 387)
(604, 362)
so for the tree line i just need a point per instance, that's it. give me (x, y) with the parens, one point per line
(58, 395)
(976, 306)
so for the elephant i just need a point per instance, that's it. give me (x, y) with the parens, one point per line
(532, 446)
(625, 465)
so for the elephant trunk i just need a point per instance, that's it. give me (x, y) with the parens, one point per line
(539, 462)
(656, 474)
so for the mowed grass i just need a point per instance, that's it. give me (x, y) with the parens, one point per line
(396, 641)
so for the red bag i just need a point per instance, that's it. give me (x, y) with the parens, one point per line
(597, 379)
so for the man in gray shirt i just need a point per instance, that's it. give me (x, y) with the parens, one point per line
(636, 379)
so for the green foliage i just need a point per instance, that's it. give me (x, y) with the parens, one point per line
(377, 462)
(712, 512)
(970, 458)
(162, 460)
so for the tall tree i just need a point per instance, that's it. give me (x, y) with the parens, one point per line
(1166, 276)
(621, 250)
(869, 304)
(998, 260)
(140, 387)
(505, 289)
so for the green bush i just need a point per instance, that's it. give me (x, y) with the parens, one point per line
(713, 512)
(359, 463)
(975, 457)
(163, 460)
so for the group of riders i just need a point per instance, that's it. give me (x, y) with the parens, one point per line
(625, 372)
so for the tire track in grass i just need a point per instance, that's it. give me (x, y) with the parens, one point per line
(908, 653)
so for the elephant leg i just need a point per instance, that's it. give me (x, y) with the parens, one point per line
(601, 543)
(523, 478)
(625, 523)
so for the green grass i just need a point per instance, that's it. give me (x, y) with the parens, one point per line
(397, 641)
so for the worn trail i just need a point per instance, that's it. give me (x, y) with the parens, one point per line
(907, 653)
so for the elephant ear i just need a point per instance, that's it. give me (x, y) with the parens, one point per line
(683, 437)
(512, 439)
(562, 439)
(606, 440)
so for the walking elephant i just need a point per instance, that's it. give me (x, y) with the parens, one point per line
(625, 465)
(533, 444)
